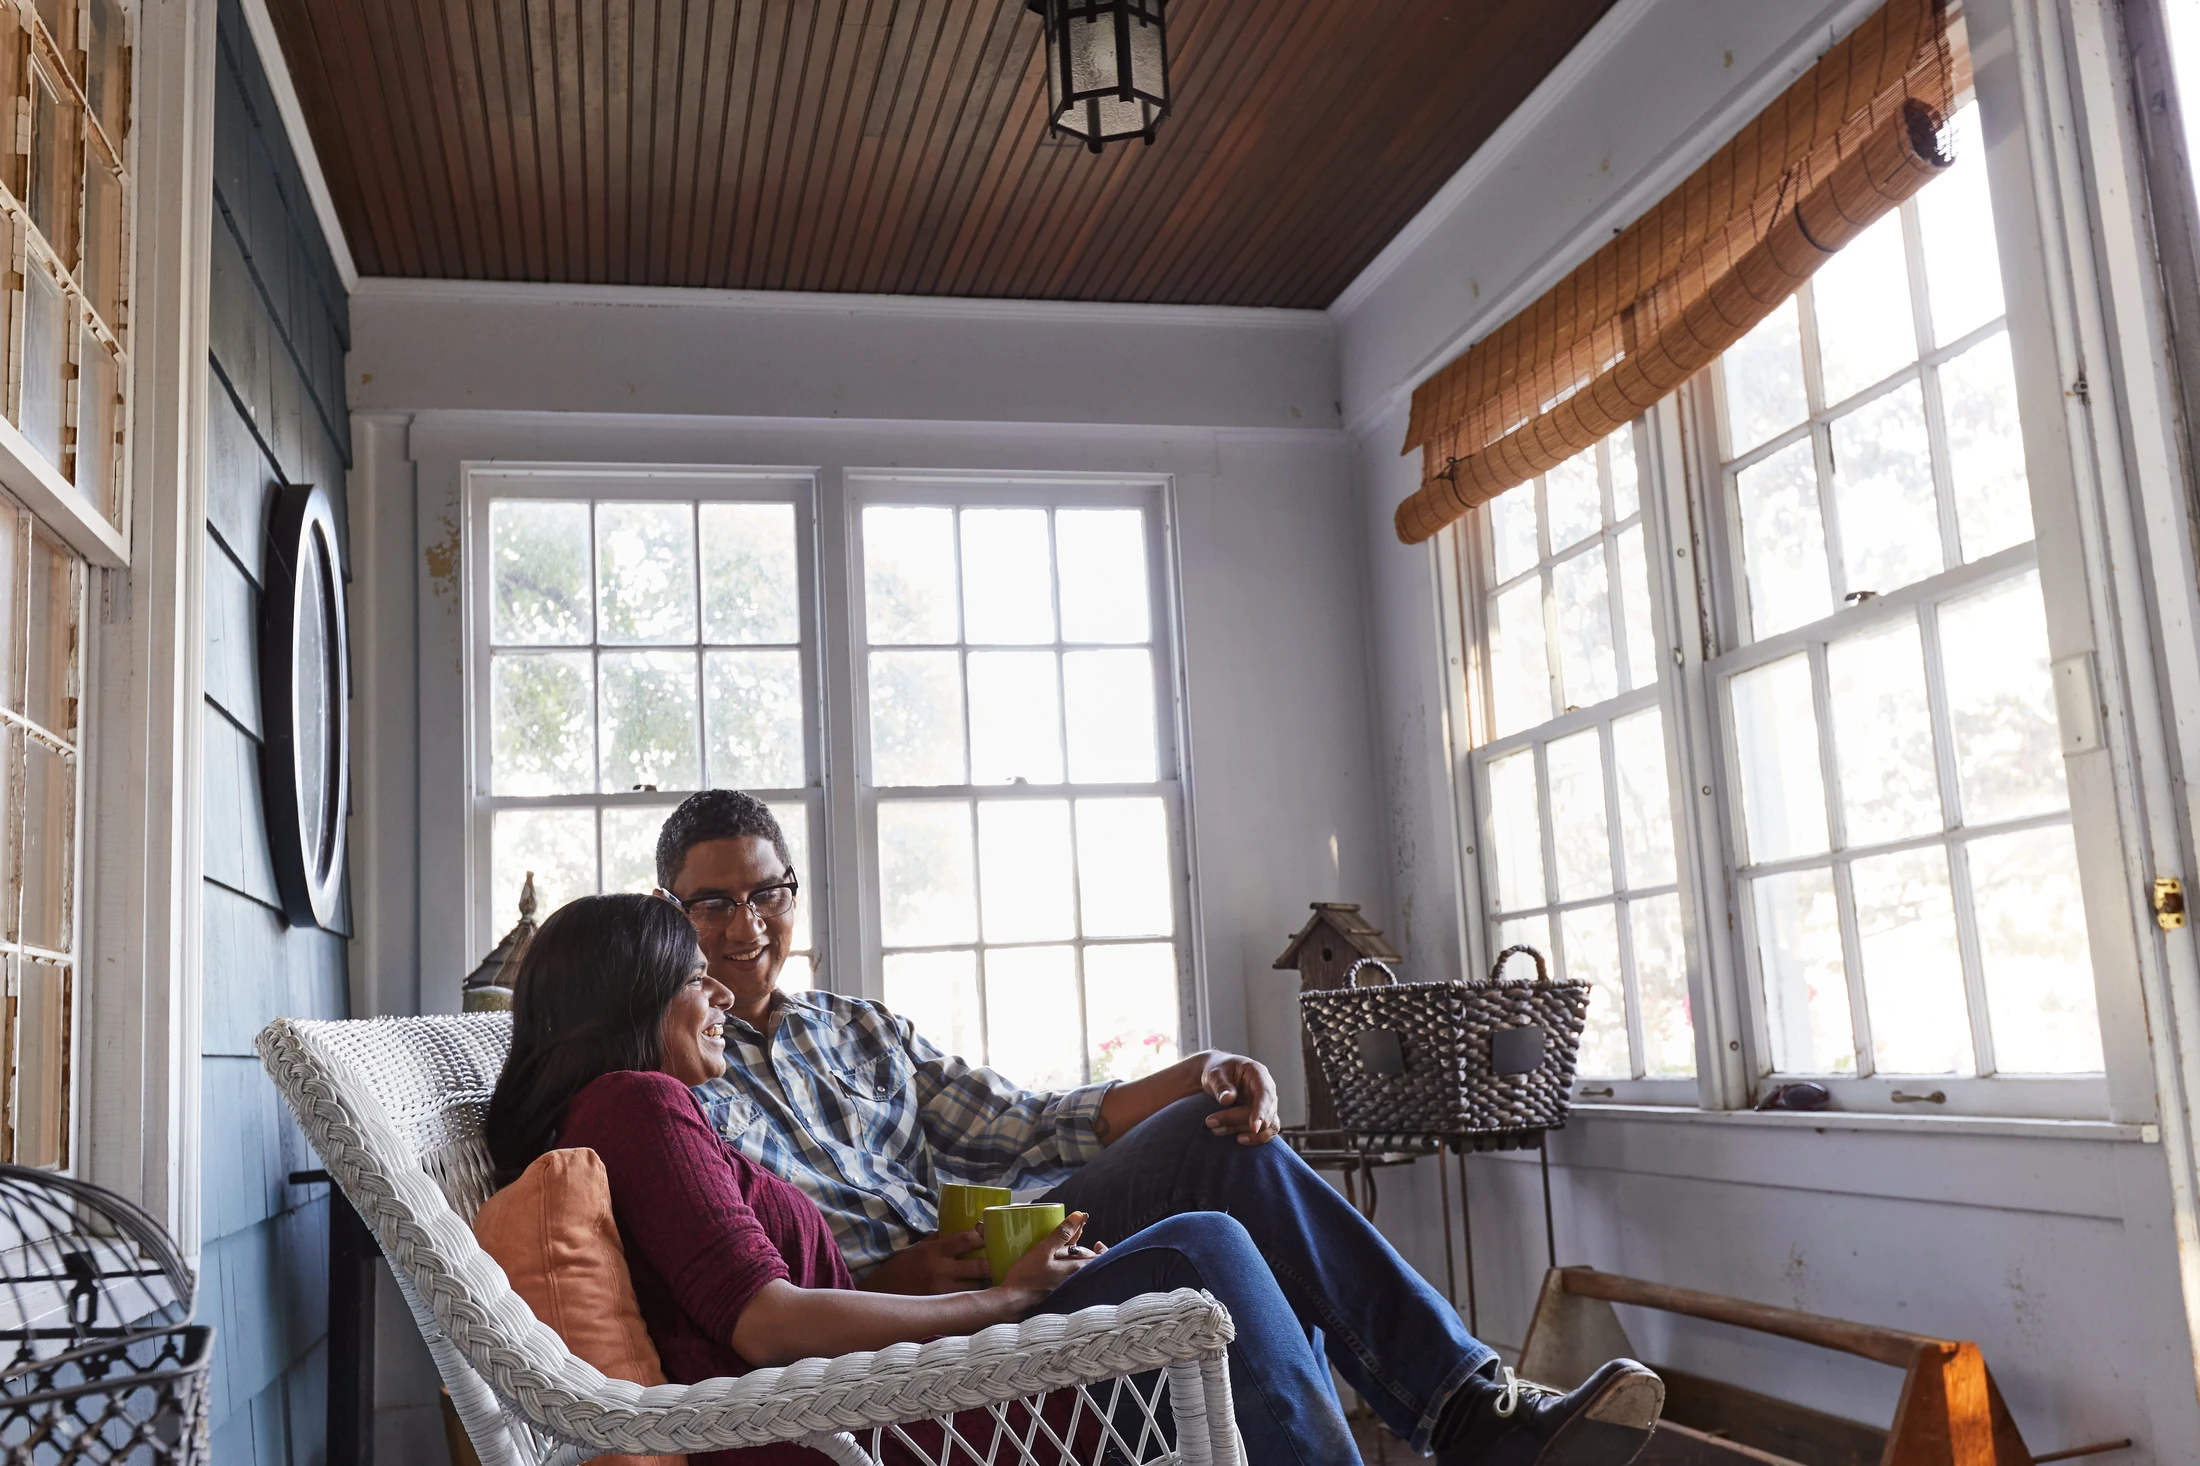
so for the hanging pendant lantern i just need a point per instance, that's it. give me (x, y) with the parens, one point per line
(1107, 68)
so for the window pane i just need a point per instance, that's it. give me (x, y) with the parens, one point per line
(1024, 870)
(629, 848)
(1645, 799)
(1626, 481)
(49, 813)
(99, 401)
(1123, 871)
(106, 59)
(1581, 838)
(1883, 493)
(1032, 1033)
(645, 572)
(927, 895)
(1762, 375)
(41, 1099)
(1584, 602)
(1913, 977)
(1015, 718)
(938, 993)
(49, 662)
(1784, 541)
(1573, 500)
(1776, 739)
(1524, 931)
(1513, 531)
(1883, 735)
(1592, 956)
(542, 721)
(1008, 585)
(538, 572)
(1102, 569)
(45, 359)
(1956, 216)
(1131, 1009)
(647, 709)
(1634, 596)
(1661, 982)
(1520, 669)
(909, 574)
(916, 718)
(2032, 948)
(1862, 298)
(751, 587)
(1806, 993)
(1518, 831)
(57, 166)
(558, 845)
(794, 823)
(1978, 396)
(2001, 706)
(752, 705)
(1111, 717)
(798, 976)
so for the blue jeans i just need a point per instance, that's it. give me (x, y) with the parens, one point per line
(1392, 1336)
(1287, 1414)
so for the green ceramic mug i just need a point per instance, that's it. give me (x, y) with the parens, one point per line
(1012, 1231)
(962, 1208)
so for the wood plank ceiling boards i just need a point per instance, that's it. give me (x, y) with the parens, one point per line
(895, 146)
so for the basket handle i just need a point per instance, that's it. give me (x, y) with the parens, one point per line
(1352, 973)
(1542, 968)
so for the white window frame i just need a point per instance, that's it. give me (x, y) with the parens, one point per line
(1062, 491)
(2053, 290)
(840, 884)
(597, 484)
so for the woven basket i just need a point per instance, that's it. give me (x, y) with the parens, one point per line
(1449, 1058)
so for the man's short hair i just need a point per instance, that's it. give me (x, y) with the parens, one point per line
(715, 814)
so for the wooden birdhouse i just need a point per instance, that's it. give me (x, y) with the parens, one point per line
(1333, 938)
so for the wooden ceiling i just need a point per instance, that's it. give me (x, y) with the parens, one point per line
(895, 145)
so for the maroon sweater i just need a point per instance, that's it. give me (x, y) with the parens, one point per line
(705, 1228)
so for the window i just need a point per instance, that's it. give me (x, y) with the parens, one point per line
(1025, 830)
(64, 204)
(1577, 801)
(1895, 858)
(1018, 887)
(642, 639)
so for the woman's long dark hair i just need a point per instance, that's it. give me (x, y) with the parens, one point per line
(589, 1000)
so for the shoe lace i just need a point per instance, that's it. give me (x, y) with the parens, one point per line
(1514, 1387)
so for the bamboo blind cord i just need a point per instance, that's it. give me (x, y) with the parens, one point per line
(1852, 138)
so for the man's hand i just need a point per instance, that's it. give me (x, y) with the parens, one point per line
(1247, 1093)
(935, 1265)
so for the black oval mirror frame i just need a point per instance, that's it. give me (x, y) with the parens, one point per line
(305, 705)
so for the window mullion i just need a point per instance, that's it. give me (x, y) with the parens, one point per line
(1821, 696)
(1630, 987)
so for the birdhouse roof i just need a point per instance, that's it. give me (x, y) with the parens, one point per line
(1342, 918)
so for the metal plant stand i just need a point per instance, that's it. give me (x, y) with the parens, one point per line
(106, 1365)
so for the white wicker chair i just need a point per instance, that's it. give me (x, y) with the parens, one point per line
(394, 1107)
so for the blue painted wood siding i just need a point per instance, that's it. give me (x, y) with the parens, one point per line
(275, 414)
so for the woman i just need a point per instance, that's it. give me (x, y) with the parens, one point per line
(616, 1016)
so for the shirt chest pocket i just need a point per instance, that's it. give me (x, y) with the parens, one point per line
(869, 1087)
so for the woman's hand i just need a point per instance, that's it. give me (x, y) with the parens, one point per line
(1048, 1266)
(935, 1265)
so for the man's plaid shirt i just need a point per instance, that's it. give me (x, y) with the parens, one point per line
(852, 1105)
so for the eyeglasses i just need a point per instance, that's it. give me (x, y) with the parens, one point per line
(766, 901)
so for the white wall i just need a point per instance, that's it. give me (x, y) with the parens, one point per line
(2052, 1246)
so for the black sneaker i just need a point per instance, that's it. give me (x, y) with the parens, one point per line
(1605, 1422)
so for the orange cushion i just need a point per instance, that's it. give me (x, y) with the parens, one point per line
(552, 1232)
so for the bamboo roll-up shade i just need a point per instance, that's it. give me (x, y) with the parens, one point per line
(1853, 137)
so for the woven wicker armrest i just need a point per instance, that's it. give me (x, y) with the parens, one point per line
(392, 1107)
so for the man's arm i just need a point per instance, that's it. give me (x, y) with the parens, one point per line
(1242, 1086)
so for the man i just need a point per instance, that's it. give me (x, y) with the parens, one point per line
(852, 1105)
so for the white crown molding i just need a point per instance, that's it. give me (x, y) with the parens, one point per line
(262, 25)
(900, 428)
(501, 292)
(1496, 150)
(1625, 206)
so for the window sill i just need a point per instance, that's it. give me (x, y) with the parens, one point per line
(2100, 1131)
(25, 472)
